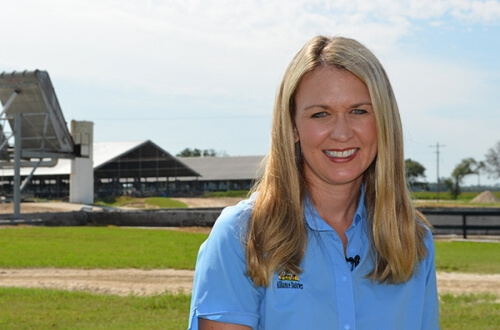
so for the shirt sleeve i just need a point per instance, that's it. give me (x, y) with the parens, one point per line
(221, 290)
(430, 318)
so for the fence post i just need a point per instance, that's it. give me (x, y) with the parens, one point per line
(464, 225)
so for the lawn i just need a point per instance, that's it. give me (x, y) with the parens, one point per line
(140, 203)
(89, 247)
(468, 257)
(53, 309)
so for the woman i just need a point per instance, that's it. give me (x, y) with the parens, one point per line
(329, 239)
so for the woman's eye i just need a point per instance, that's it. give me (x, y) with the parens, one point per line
(319, 115)
(358, 111)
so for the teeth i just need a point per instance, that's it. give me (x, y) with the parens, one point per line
(340, 154)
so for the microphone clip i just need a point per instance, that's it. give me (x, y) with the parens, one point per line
(353, 261)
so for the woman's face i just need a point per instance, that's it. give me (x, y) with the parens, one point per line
(335, 125)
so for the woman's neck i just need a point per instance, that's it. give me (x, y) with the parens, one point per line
(336, 205)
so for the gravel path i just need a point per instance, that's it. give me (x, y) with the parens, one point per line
(157, 281)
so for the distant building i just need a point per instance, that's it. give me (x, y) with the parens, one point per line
(140, 169)
(223, 173)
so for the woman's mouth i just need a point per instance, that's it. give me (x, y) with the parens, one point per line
(340, 153)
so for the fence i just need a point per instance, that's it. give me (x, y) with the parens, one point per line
(477, 221)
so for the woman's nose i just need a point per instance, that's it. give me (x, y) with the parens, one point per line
(341, 129)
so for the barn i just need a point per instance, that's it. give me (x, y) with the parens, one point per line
(140, 168)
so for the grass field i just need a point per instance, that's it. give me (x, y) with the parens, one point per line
(468, 257)
(89, 247)
(151, 202)
(52, 309)
(446, 195)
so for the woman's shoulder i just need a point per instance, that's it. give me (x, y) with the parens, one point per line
(233, 220)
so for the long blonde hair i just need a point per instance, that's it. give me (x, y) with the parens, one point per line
(277, 236)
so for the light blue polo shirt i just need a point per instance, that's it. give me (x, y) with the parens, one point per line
(326, 295)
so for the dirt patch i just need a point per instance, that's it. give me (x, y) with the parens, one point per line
(157, 281)
(117, 281)
(485, 197)
(192, 229)
(209, 202)
(6, 208)
(42, 207)
(462, 283)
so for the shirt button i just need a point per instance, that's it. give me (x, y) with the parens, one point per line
(344, 278)
(347, 326)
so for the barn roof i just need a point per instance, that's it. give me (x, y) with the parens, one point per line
(225, 168)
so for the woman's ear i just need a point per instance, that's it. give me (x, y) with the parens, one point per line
(296, 137)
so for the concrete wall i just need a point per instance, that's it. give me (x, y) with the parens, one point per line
(147, 218)
(205, 217)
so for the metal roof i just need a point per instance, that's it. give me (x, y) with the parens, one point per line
(30, 95)
(226, 168)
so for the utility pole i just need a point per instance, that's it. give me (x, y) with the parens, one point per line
(437, 146)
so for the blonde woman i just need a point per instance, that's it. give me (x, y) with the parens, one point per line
(329, 239)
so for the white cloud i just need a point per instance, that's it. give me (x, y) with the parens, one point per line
(227, 57)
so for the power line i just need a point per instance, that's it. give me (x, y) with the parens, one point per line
(437, 146)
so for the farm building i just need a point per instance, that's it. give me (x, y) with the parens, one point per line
(141, 169)
(223, 173)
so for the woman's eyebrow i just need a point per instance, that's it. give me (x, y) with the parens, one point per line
(323, 106)
(312, 106)
(361, 104)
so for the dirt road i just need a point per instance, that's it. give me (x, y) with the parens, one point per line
(157, 281)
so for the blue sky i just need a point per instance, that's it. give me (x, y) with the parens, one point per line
(203, 73)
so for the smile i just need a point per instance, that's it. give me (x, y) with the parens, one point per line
(340, 154)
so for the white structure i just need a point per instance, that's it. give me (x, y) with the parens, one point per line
(81, 186)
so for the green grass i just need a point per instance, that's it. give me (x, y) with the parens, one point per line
(230, 193)
(444, 195)
(128, 201)
(465, 196)
(53, 309)
(468, 257)
(89, 247)
(98, 247)
(164, 203)
(475, 311)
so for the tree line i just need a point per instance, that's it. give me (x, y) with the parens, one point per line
(188, 152)
(490, 165)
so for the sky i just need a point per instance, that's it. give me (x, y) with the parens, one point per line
(204, 73)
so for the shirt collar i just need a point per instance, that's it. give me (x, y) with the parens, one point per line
(315, 222)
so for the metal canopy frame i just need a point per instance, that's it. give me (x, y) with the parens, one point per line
(37, 125)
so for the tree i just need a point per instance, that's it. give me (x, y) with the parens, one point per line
(209, 153)
(493, 161)
(466, 167)
(413, 171)
(480, 167)
(188, 152)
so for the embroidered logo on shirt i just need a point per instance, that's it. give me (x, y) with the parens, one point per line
(288, 280)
